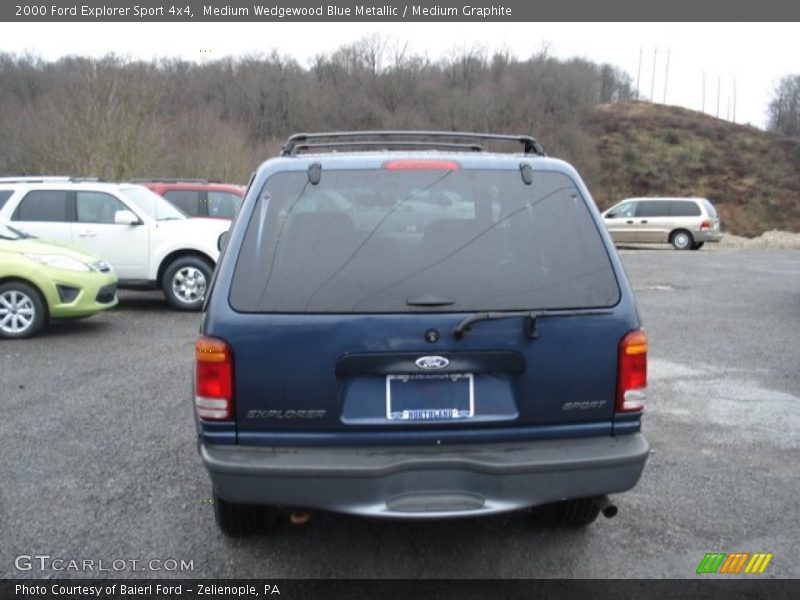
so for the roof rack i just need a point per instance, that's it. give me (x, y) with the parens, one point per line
(47, 179)
(171, 180)
(388, 139)
(31, 179)
(387, 145)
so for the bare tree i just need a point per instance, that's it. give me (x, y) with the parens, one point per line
(784, 108)
(118, 119)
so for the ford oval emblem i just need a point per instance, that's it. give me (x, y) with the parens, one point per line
(432, 362)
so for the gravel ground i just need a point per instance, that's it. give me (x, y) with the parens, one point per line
(98, 456)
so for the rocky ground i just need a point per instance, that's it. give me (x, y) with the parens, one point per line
(769, 240)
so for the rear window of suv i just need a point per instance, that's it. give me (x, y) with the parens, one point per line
(367, 241)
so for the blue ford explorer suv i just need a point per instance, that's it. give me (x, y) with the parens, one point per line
(405, 324)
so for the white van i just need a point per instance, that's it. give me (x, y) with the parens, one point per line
(686, 223)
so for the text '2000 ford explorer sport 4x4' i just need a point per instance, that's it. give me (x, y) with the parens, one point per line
(404, 324)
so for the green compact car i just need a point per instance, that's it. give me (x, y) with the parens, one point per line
(42, 280)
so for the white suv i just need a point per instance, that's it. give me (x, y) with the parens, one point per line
(150, 243)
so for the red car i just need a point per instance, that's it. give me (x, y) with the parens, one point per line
(198, 197)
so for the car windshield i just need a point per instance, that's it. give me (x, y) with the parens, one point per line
(9, 233)
(365, 241)
(153, 204)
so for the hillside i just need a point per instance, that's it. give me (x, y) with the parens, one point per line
(753, 177)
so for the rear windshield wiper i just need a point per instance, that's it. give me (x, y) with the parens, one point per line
(530, 319)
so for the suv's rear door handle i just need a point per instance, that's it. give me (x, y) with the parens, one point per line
(87, 233)
(644, 221)
(629, 222)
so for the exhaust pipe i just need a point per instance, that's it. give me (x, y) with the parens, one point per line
(606, 506)
(299, 517)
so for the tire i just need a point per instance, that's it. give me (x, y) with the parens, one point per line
(681, 239)
(22, 310)
(236, 520)
(568, 513)
(698, 245)
(185, 282)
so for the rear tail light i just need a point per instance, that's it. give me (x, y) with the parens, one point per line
(705, 225)
(213, 399)
(632, 373)
(421, 165)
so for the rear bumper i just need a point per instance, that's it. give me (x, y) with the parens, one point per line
(427, 482)
(707, 236)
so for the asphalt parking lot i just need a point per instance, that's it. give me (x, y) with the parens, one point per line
(97, 454)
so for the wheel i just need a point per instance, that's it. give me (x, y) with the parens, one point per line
(185, 282)
(568, 513)
(22, 310)
(242, 519)
(698, 245)
(681, 239)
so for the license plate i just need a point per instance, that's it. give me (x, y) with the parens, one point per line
(429, 397)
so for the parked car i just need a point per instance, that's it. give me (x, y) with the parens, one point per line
(149, 243)
(40, 281)
(198, 197)
(686, 223)
(462, 341)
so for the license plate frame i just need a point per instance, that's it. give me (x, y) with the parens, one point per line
(464, 409)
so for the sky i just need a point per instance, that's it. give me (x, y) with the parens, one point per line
(740, 62)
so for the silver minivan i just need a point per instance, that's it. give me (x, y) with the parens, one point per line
(686, 223)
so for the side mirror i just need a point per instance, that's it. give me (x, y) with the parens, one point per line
(222, 240)
(610, 215)
(126, 217)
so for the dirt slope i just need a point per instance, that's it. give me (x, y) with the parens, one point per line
(753, 177)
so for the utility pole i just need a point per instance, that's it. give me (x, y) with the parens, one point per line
(703, 105)
(653, 79)
(734, 99)
(719, 83)
(666, 75)
(639, 73)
